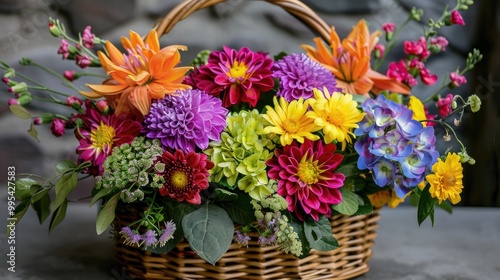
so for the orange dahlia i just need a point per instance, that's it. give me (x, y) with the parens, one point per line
(349, 61)
(144, 73)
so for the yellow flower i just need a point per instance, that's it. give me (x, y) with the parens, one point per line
(289, 121)
(446, 180)
(418, 109)
(384, 197)
(337, 114)
(146, 72)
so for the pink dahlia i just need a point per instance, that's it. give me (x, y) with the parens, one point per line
(240, 76)
(100, 134)
(306, 177)
(185, 175)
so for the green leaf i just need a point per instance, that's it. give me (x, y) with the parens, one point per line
(102, 193)
(23, 188)
(19, 111)
(298, 227)
(426, 206)
(42, 207)
(209, 231)
(241, 210)
(319, 234)
(366, 207)
(64, 166)
(223, 195)
(446, 206)
(107, 214)
(64, 185)
(58, 215)
(33, 133)
(348, 169)
(349, 204)
(39, 194)
(21, 210)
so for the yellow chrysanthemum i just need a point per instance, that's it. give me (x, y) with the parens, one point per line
(337, 114)
(418, 109)
(289, 121)
(384, 197)
(446, 180)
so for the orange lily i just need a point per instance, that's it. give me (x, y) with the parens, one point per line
(145, 73)
(349, 61)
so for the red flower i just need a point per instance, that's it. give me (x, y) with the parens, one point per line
(306, 177)
(100, 134)
(456, 18)
(185, 175)
(240, 76)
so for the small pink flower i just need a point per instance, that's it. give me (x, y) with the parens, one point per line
(444, 105)
(13, 101)
(63, 49)
(74, 101)
(82, 60)
(88, 37)
(399, 72)
(456, 80)
(427, 78)
(57, 127)
(413, 48)
(103, 106)
(456, 18)
(440, 43)
(69, 75)
(379, 50)
(417, 64)
(428, 116)
(388, 27)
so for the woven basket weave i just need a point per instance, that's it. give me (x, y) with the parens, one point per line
(355, 234)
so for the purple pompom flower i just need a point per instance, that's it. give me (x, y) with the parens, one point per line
(149, 238)
(298, 75)
(186, 120)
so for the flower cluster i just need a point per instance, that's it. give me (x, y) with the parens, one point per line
(248, 145)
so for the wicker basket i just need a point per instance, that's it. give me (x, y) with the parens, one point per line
(355, 234)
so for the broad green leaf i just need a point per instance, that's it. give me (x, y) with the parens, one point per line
(64, 186)
(348, 169)
(23, 188)
(349, 204)
(21, 210)
(209, 231)
(107, 214)
(446, 206)
(241, 210)
(102, 193)
(42, 207)
(33, 133)
(39, 194)
(65, 166)
(319, 234)
(58, 216)
(365, 208)
(224, 195)
(19, 111)
(426, 206)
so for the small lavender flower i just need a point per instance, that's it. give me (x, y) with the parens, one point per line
(241, 238)
(186, 120)
(131, 238)
(298, 75)
(268, 240)
(168, 233)
(149, 238)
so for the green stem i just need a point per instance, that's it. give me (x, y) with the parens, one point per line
(391, 44)
(57, 75)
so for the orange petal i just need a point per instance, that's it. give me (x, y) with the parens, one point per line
(104, 90)
(90, 94)
(114, 54)
(140, 98)
(152, 41)
(382, 82)
(363, 85)
(136, 40)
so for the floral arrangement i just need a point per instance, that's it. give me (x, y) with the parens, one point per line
(241, 142)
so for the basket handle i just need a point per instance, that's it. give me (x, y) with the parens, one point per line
(294, 7)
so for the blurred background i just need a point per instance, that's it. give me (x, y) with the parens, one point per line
(260, 26)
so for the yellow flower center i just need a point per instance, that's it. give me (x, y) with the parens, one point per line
(308, 172)
(448, 181)
(102, 136)
(179, 179)
(291, 126)
(336, 118)
(238, 71)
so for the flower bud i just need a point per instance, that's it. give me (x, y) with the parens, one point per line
(456, 122)
(22, 100)
(454, 18)
(74, 102)
(103, 106)
(57, 127)
(20, 87)
(379, 50)
(54, 29)
(9, 73)
(43, 119)
(454, 105)
(70, 75)
(447, 137)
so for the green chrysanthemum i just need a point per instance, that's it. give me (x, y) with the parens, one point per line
(241, 154)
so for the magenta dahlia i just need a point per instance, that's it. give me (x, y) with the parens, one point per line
(185, 175)
(307, 178)
(240, 76)
(100, 134)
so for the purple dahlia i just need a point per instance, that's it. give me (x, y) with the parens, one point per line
(186, 120)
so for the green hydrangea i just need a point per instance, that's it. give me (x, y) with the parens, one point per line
(241, 154)
(129, 166)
